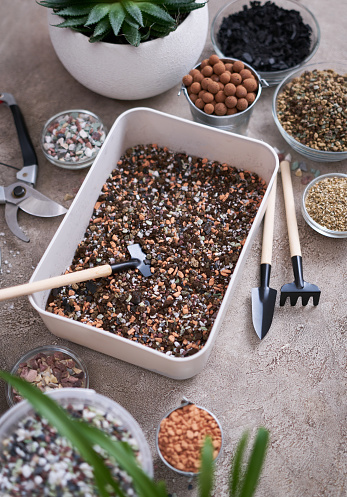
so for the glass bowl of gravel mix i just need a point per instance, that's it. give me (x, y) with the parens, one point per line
(49, 367)
(73, 138)
(324, 205)
(36, 460)
(310, 111)
(275, 38)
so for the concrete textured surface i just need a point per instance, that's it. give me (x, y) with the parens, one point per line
(293, 382)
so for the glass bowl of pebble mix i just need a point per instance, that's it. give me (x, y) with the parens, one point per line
(35, 460)
(73, 138)
(275, 38)
(309, 109)
(324, 205)
(180, 437)
(49, 367)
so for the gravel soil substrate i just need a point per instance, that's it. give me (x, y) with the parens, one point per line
(191, 217)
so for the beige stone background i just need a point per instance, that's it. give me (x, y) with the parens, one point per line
(293, 382)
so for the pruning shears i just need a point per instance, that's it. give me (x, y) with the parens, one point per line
(22, 194)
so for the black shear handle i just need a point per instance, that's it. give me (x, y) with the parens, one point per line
(28, 151)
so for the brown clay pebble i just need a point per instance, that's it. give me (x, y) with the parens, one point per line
(221, 86)
(219, 68)
(213, 87)
(231, 102)
(192, 72)
(198, 77)
(204, 63)
(209, 108)
(230, 89)
(250, 84)
(238, 66)
(220, 109)
(207, 97)
(201, 93)
(187, 79)
(182, 434)
(195, 87)
(207, 71)
(250, 97)
(242, 104)
(214, 59)
(200, 103)
(229, 67)
(193, 97)
(241, 92)
(225, 77)
(204, 83)
(231, 112)
(246, 73)
(215, 77)
(220, 97)
(236, 78)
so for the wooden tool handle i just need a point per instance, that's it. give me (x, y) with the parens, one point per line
(293, 233)
(55, 282)
(268, 229)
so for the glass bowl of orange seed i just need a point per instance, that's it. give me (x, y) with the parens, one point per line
(181, 435)
(222, 93)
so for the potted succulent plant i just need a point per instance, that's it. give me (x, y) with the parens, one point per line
(128, 49)
(98, 449)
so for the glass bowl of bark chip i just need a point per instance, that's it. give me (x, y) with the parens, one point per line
(324, 205)
(309, 109)
(73, 138)
(173, 142)
(273, 52)
(49, 367)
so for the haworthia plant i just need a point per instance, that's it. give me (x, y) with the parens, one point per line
(122, 21)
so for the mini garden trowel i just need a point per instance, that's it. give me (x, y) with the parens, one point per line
(264, 297)
(138, 261)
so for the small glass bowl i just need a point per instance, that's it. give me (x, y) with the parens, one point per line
(271, 77)
(184, 403)
(318, 227)
(308, 152)
(82, 127)
(47, 350)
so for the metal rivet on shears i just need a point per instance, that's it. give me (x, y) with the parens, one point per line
(19, 191)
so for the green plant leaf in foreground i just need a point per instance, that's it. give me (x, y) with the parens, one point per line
(243, 483)
(83, 437)
(206, 474)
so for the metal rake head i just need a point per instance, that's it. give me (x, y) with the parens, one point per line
(299, 288)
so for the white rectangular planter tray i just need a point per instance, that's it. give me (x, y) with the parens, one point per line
(142, 126)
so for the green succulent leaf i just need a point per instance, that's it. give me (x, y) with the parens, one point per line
(236, 467)
(133, 10)
(97, 13)
(117, 15)
(255, 463)
(157, 12)
(72, 22)
(131, 34)
(74, 11)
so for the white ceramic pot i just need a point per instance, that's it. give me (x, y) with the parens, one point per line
(129, 73)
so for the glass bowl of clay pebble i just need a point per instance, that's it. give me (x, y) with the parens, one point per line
(309, 109)
(324, 205)
(275, 38)
(222, 93)
(49, 367)
(73, 138)
(181, 434)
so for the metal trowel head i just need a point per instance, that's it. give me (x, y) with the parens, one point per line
(143, 265)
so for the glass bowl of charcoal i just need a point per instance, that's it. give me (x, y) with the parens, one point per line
(309, 109)
(275, 38)
(73, 138)
(49, 367)
(324, 205)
